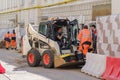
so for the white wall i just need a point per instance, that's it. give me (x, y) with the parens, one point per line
(47, 2)
(26, 17)
(115, 6)
(79, 8)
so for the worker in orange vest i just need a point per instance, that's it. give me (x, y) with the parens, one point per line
(13, 40)
(7, 38)
(85, 39)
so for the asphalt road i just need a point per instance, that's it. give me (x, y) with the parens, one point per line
(13, 58)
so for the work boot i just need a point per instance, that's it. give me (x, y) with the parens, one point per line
(7, 48)
(15, 48)
(78, 55)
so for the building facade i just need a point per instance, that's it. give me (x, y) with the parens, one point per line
(115, 7)
(11, 13)
(23, 12)
(84, 10)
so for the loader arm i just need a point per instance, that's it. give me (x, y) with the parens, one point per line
(33, 34)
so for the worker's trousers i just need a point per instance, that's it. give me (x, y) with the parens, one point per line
(84, 47)
(7, 44)
(13, 43)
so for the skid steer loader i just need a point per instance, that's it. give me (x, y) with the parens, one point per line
(43, 48)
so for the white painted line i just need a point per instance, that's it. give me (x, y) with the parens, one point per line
(20, 75)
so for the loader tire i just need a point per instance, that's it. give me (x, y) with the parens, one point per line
(48, 59)
(33, 58)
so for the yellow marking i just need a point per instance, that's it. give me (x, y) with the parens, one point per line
(38, 7)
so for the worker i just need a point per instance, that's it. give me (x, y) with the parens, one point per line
(7, 38)
(94, 37)
(13, 40)
(57, 18)
(58, 36)
(85, 39)
(52, 20)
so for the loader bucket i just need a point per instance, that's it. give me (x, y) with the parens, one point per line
(60, 62)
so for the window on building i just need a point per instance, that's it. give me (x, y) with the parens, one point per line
(22, 2)
(32, 1)
(45, 1)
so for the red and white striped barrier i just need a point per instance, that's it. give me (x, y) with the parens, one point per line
(2, 70)
(112, 71)
(101, 66)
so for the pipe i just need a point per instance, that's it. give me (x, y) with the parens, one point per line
(38, 7)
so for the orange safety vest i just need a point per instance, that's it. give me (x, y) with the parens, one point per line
(7, 37)
(84, 35)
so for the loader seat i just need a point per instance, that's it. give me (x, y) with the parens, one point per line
(64, 24)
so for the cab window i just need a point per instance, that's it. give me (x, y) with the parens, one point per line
(43, 29)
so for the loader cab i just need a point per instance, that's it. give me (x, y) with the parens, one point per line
(69, 31)
(74, 32)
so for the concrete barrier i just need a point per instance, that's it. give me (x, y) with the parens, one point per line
(95, 65)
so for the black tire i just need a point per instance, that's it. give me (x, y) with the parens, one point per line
(37, 58)
(51, 59)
